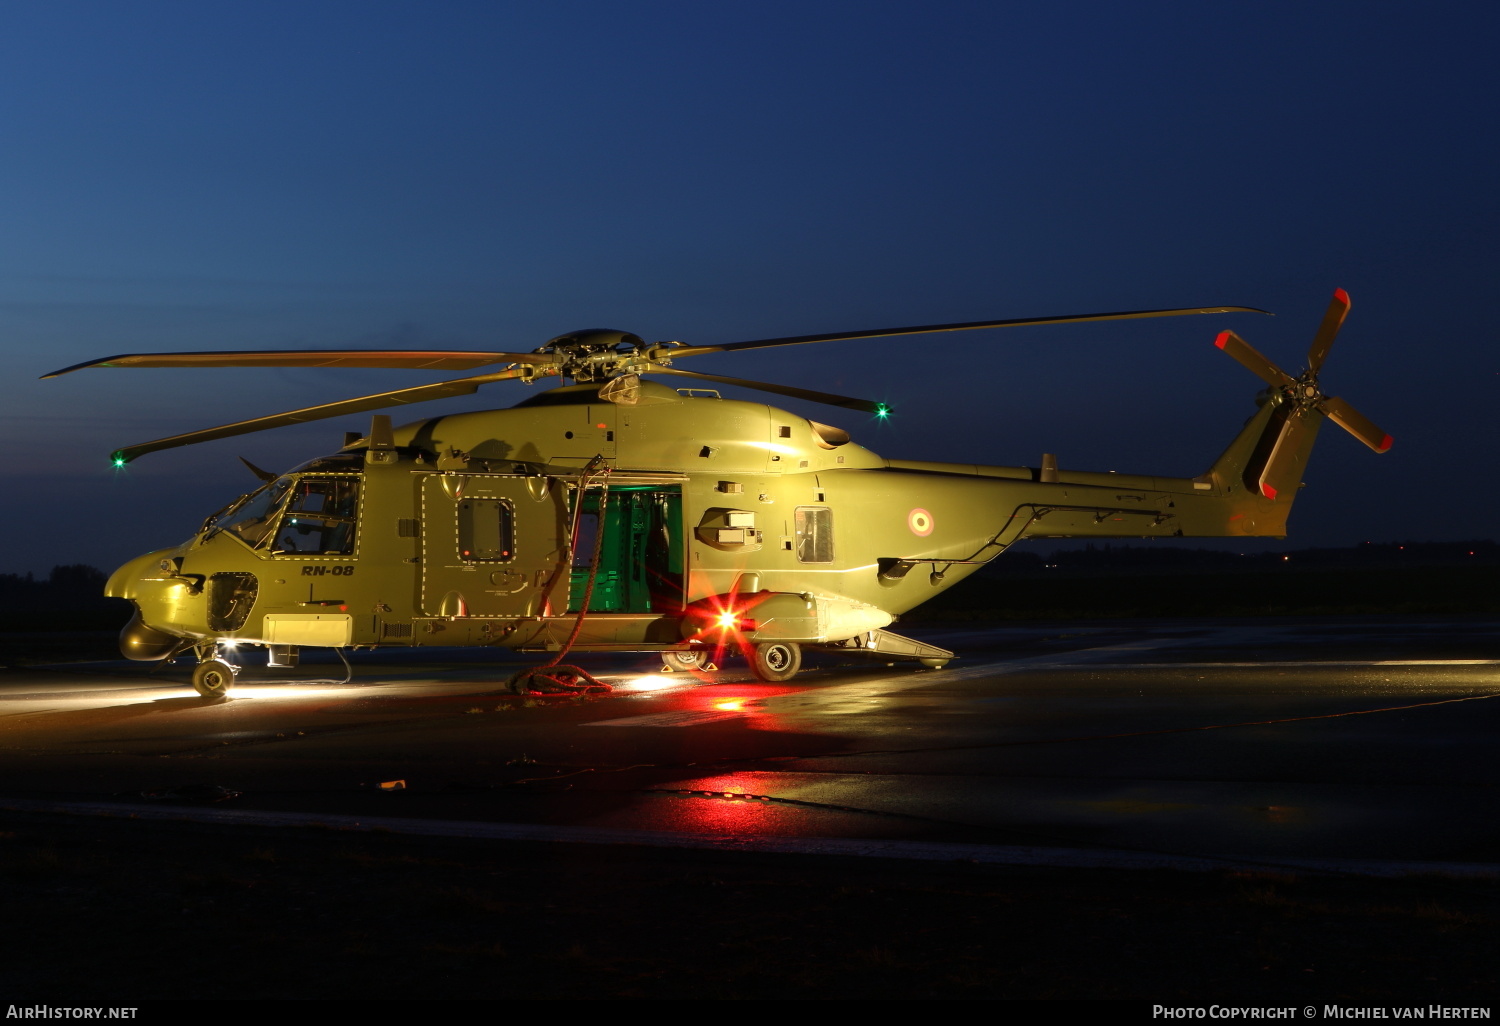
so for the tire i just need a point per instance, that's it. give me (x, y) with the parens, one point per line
(683, 661)
(776, 660)
(213, 678)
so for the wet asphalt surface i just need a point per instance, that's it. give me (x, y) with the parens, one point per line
(1368, 738)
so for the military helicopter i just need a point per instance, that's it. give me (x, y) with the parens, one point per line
(621, 514)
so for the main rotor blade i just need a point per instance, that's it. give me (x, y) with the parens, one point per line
(400, 397)
(1333, 320)
(867, 405)
(415, 359)
(1248, 355)
(1283, 470)
(924, 329)
(1354, 422)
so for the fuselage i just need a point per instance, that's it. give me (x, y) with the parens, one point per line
(489, 527)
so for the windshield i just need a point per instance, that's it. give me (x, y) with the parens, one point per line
(252, 517)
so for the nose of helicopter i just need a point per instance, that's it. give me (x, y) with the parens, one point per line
(126, 582)
(143, 582)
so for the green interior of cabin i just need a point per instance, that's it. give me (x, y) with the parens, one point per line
(640, 552)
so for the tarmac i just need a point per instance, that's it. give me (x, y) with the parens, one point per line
(1350, 745)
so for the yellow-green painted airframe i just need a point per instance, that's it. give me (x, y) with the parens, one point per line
(686, 522)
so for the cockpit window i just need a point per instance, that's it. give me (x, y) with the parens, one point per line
(334, 496)
(319, 517)
(252, 517)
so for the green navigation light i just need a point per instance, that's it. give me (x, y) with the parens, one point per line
(882, 411)
(118, 460)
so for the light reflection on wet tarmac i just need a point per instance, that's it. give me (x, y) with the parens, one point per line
(1141, 736)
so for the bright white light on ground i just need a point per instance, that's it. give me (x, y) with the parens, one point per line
(258, 689)
(652, 682)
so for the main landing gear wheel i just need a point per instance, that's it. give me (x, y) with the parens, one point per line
(213, 678)
(683, 662)
(776, 660)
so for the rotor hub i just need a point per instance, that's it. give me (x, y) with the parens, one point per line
(1305, 389)
(594, 354)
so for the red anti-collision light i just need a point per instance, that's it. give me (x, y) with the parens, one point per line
(728, 621)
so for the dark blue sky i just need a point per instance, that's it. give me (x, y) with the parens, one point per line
(487, 175)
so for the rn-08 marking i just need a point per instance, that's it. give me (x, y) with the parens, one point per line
(336, 571)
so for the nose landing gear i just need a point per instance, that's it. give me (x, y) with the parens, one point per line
(213, 677)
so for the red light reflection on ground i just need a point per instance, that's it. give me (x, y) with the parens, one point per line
(710, 805)
(745, 699)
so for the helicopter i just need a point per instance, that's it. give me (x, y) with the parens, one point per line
(618, 513)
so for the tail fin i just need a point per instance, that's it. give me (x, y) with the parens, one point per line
(1260, 472)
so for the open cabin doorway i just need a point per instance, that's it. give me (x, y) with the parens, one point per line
(640, 551)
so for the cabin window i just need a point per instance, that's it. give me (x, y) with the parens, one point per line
(814, 531)
(486, 531)
(319, 519)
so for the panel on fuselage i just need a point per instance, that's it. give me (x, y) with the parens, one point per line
(491, 544)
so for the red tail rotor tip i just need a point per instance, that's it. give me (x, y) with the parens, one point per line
(1341, 296)
(1268, 491)
(1222, 340)
(1385, 443)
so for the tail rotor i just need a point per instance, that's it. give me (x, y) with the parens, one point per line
(1302, 401)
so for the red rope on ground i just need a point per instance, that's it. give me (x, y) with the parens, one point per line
(554, 677)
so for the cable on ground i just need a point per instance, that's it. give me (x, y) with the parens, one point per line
(555, 677)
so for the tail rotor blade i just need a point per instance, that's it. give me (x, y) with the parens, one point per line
(1283, 471)
(1333, 320)
(1251, 358)
(1354, 422)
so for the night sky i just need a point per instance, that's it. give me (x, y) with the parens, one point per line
(188, 176)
